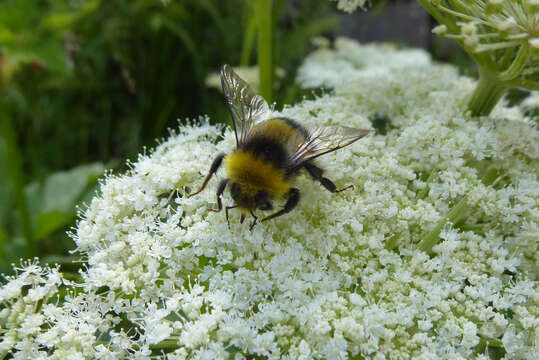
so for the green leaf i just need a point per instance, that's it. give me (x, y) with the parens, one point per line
(59, 20)
(6, 204)
(34, 194)
(63, 189)
(48, 222)
(3, 242)
(50, 53)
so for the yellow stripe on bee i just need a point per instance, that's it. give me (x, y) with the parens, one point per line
(276, 128)
(254, 174)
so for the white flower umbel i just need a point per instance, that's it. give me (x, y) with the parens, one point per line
(341, 276)
(350, 5)
(42, 317)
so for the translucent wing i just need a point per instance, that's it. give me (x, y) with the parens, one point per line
(244, 105)
(322, 140)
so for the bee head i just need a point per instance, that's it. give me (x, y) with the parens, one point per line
(248, 198)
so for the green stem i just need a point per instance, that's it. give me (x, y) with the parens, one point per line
(392, 242)
(425, 191)
(165, 345)
(263, 10)
(433, 237)
(518, 63)
(248, 41)
(454, 215)
(439, 17)
(14, 166)
(486, 95)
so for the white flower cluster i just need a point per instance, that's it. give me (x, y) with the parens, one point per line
(532, 101)
(350, 5)
(340, 277)
(21, 298)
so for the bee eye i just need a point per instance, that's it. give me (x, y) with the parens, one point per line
(261, 201)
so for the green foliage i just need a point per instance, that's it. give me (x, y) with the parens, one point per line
(51, 208)
(54, 200)
(92, 82)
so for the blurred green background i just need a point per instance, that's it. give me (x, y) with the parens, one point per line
(85, 84)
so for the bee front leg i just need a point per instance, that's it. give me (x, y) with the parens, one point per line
(316, 173)
(226, 213)
(293, 199)
(220, 190)
(255, 218)
(213, 169)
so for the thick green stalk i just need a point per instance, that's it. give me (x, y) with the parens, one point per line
(14, 167)
(263, 11)
(486, 95)
(518, 64)
(490, 88)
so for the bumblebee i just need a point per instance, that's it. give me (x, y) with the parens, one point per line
(270, 152)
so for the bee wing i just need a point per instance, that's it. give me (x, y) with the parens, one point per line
(322, 140)
(244, 105)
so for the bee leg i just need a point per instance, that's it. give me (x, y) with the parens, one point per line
(255, 218)
(242, 218)
(293, 199)
(220, 190)
(213, 169)
(316, 173)
(226, 213)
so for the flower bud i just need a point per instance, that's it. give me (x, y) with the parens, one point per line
(440, 30)
(471, 41)
(493, 6)
(468, 29)
(508, 24)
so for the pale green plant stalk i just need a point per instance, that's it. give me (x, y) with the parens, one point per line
(457, 212)
(248, 41)
(263, 12)
(501, 36)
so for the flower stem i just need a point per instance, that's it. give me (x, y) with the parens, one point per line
(263, 11)
(248, 42)
(518, 64)
(165, 345)
(454, 215)
(486, 95)
(433, 237)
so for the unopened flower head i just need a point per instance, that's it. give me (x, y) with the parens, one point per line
(501, 35)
